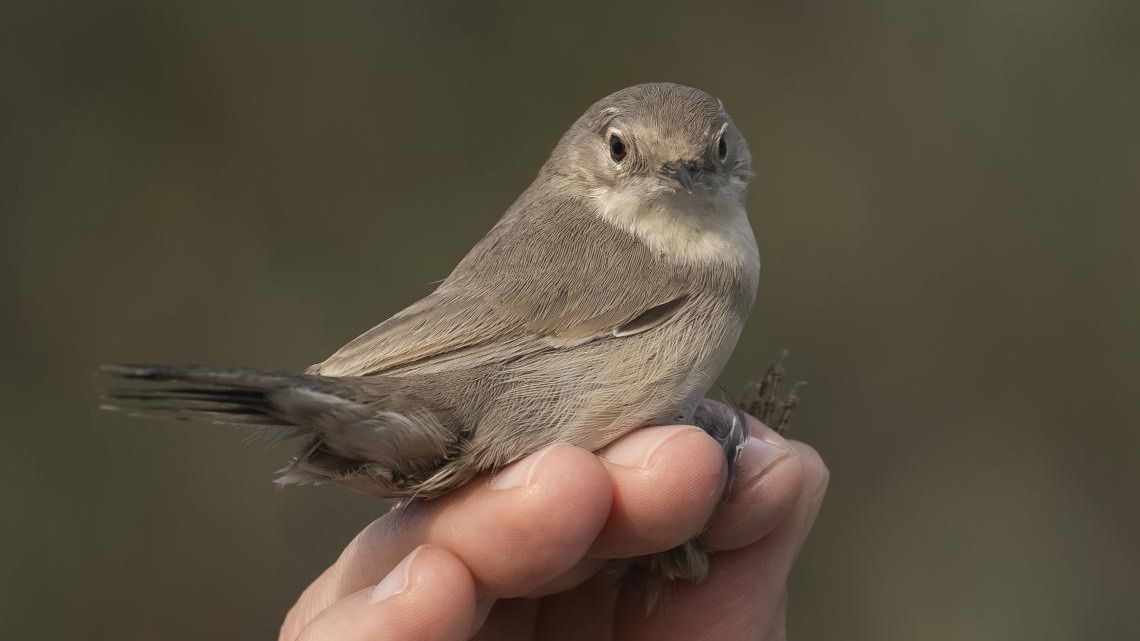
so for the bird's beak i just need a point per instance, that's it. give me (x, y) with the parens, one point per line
(683, 172)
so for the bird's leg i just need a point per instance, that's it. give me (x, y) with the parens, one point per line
(762, 398)
(689, 561)
(728, 427)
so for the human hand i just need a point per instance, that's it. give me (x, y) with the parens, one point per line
(527, 554)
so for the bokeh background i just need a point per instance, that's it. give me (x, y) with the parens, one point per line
(946, 204)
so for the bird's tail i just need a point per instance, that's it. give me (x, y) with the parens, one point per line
(371, 433)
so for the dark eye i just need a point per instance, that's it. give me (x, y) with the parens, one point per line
(617, 148)
(721, 149)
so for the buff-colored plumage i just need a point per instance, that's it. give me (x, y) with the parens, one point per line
(607, 298)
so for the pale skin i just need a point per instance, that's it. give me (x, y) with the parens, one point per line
(528, 554)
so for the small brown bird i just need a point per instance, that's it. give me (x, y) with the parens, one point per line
(607, 298)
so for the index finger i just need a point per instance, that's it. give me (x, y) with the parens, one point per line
(515, 531)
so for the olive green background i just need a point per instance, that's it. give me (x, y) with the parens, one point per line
(946, 204)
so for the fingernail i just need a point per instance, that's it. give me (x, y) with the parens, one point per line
(637, 450)
(758, 456)
(520, 473)
(397, 581)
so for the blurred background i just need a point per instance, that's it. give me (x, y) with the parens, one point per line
(946, 204)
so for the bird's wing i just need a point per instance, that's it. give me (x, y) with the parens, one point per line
(534, 282)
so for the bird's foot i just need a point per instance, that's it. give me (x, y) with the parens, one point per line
(765, 399)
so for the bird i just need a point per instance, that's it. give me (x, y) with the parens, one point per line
(607, 298)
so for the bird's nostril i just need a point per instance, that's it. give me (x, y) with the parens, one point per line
(681, 171)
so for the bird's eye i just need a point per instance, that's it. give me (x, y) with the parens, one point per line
(721, 149)
(617, 148)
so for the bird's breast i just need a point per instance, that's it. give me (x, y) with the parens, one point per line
(697, 231)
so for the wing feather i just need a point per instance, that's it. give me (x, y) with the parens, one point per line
(550, 274)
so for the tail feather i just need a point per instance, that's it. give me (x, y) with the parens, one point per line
(368, 432)
(233, 379)
(229, 396)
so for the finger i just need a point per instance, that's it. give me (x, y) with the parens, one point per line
(429, 595)
(583, 571)
(666, 483)
(528, 524)
(744, 595)
(768, 479)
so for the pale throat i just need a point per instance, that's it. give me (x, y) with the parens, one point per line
(711, 228)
